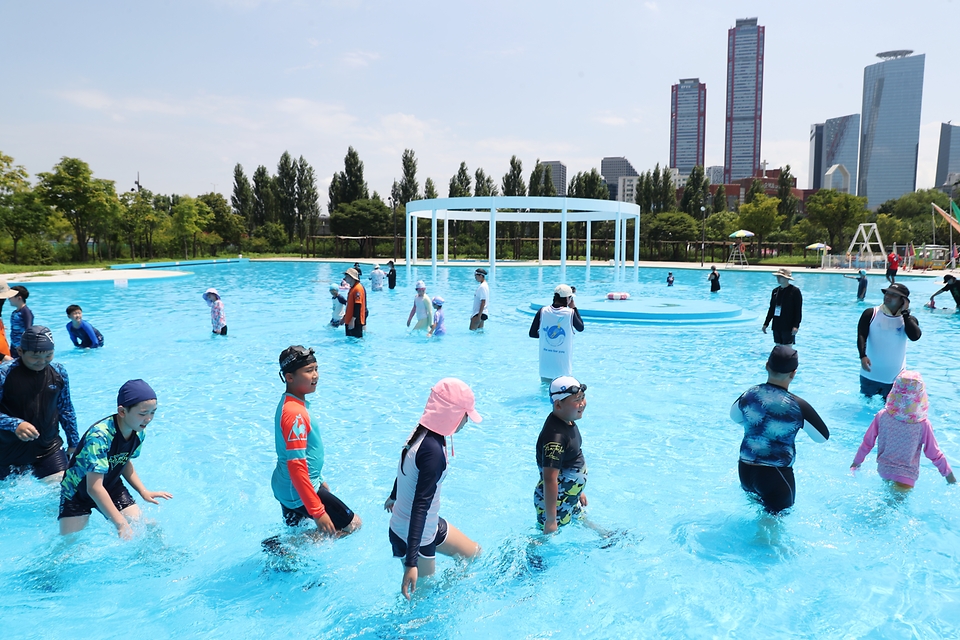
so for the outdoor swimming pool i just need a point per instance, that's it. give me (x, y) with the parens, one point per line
(692, 557)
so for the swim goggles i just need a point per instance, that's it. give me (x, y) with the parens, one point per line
(295, 355)
(571, 390)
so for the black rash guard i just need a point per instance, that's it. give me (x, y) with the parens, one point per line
(32, 396)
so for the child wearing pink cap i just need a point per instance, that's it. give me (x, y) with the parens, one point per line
(217, 316)
(417, 531)
(903, 430)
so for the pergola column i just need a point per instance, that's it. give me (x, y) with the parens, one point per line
(493, 240)
(413, 237)
(589, 238)
(540, 243)
(433, 243)
(636, 249)
(563, 244)
(446, 236)
(406, 239)
(616, 249)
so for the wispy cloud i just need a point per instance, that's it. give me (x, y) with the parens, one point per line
(613, 121)
(652, 6)
(358, 59)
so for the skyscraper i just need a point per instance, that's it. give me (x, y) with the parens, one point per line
(688, 113)
(816, 155)
(558, 174)
(948, 160)
(741, 157)
(890, 133)
(841, 142)
(612, 169)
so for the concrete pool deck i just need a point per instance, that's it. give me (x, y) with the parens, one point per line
(101, 274)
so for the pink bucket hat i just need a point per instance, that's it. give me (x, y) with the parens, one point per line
(210, 292)
(907, 401)
(449, 400)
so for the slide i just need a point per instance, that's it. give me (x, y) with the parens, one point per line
(954, 222)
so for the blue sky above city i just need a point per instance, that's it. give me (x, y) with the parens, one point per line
(182, 91)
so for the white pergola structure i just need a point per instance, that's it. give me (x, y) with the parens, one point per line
(494, 209)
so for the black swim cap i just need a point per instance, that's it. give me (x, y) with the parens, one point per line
(294, 357)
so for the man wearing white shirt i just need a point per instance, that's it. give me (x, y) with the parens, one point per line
(481, 298)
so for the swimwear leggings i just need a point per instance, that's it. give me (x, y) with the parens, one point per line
(775, 487)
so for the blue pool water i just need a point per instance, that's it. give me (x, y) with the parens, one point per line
(691, 558)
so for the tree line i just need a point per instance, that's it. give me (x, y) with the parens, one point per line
(67, 214)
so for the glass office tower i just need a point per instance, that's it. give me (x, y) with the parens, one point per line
(741, 157)
(890, 133)
(688, 114)
(841, 144)
(948, 160)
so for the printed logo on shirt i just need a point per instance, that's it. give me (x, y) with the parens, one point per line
(553, 451)
(118, 460)
(298, 430)
(555, 335)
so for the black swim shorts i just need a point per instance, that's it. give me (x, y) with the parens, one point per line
(81, 504)
(340, 514)
(426, 550)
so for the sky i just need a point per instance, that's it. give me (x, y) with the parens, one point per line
(182, 91)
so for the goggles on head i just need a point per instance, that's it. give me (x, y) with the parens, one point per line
(296, 357)
(571, 390)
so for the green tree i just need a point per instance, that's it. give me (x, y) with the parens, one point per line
(23, 214)
(720, 200)
(696, 193)
(409, 187)
(548, 189)
(274, 234)
(536, 180)
(836, 213)
(137, 209)
(512, 183)
(365, 217)
(349, 185)
(308, 200)
(285, 185)
(761, 216)
(756, 189)
(190, 217)
(264, 200)
(588, 184)
(673, 225)
(224, 223)
(12, 177)
(460, 183)
(484, 184)
(789, 203)
(721, 224)
(430, 189)
(892, 229)
(82, 199)
(667, 197)
(644, 197)
(242, 198)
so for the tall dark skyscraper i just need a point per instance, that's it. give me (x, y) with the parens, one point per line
(688, 114)
(948, 159)
(890, 127)
(741, 157)
(612, 169)
(816, 155)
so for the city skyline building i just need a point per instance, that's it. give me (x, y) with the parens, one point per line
(890, 127)
(558, 175)
(688, 113)
(612, 169)
(948, 158)
(841, 146)
(714, 174)
(816, 155)
(744, 102)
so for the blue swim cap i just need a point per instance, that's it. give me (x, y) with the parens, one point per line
(134, 392)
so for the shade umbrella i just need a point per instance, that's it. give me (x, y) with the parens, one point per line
(742, 233)
(818, 245)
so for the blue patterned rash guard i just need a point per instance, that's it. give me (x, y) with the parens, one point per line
(771, 417)
(101, 450)
(20, 320)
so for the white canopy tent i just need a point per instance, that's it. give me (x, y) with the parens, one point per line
(526, 209)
